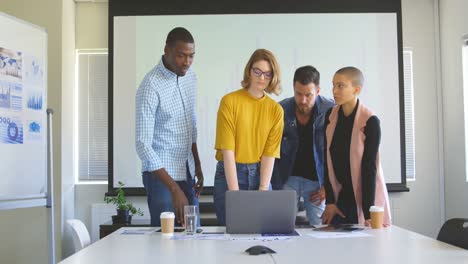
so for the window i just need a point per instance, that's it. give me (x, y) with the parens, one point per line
(409, 114)
(465, 95)
(91, 126)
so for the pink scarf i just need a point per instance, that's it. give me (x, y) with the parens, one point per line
(356, 151)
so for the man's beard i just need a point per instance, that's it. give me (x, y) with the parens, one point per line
(303, 109)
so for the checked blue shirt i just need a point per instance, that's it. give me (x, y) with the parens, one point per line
(165, 121)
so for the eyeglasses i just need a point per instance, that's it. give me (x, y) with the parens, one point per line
(257, 72)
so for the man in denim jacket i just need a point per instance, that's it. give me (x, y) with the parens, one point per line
(300, 167)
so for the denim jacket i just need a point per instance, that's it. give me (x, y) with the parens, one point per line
(290, 140)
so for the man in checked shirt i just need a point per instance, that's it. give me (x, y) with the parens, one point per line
(166, 130)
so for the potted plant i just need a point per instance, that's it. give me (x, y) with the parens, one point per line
(125, 209)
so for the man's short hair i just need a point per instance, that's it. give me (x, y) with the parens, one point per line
(353, 73)
(178, 34)
(307, 74)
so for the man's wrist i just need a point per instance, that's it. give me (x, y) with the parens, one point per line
(174, 188)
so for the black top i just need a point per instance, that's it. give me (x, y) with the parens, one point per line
(340, 156)
(304, 165)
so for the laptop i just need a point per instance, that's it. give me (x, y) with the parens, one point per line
(260, 212)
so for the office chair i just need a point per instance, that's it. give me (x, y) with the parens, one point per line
(455, 232)
(80, 234)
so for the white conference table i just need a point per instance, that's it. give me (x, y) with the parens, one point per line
(389, 245)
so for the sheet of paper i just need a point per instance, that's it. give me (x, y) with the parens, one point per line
(260, 238)
(142, 231)
(316, 234)
(213, 236)
(229, 237)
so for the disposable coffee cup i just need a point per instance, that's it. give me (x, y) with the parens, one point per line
(167, 223)
(376, 214)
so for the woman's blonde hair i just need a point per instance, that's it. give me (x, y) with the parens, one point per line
(275, 82)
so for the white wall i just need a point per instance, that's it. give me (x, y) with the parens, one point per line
(454, 25)
(23, 231)
(420, 21)
(68, 76)
(91, 33)
(419, 32)
(91, 25)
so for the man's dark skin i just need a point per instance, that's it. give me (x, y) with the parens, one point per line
(178, 58)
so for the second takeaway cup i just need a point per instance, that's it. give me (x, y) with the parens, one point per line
(376, 214)
(167, 223)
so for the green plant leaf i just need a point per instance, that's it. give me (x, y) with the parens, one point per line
(121, 202)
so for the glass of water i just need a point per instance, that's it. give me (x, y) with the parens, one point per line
(190, 219)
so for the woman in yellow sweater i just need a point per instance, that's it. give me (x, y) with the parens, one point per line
(248, 131)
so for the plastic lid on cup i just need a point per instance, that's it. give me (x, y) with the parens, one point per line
(167, 215)
(376, 209)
